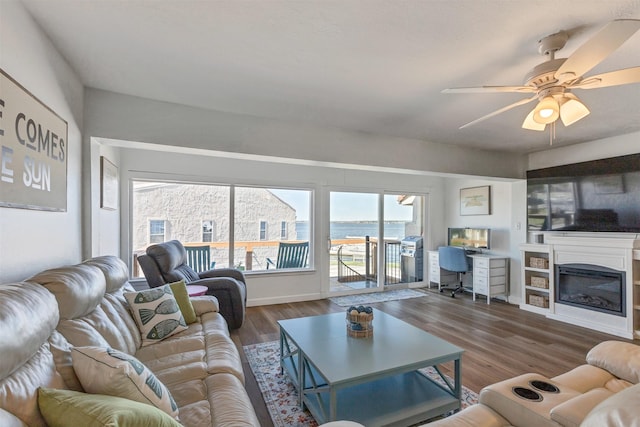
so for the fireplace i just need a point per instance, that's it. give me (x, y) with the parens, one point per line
(591, 287)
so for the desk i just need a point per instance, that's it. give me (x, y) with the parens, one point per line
(489, 274)
(196, 290)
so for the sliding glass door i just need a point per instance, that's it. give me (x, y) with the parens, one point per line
(353, 231)
(375, 240)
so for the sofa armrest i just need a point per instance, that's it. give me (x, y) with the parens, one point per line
(205, 304)
(477, 415)
(223, 272)
(572, 412)
(231, 295)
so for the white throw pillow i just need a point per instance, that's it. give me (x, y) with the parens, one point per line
(112, 372)
(156, 312)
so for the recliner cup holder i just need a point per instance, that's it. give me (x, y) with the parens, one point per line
(527, 394)
(544, 386)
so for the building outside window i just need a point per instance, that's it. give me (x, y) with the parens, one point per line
(156, 231)
(283, 230)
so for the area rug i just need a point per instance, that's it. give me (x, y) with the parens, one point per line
(280, 395)
(362, 299)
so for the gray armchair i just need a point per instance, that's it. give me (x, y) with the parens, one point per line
(167, 262)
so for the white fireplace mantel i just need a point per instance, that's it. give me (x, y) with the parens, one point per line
(618, 252)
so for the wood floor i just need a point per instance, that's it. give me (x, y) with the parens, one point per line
(500, 340)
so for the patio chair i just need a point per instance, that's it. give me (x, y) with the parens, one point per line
(199, 258)
(291, 255)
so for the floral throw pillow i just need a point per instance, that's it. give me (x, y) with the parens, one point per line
(114, 373)
(156, 313)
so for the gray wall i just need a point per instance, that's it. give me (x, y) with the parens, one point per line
(32, 240)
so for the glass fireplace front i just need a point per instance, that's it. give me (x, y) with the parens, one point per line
(591, 287)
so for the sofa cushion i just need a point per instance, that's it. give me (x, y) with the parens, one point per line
(181, 295)
(619, 358)
(63, 408)
(619, 410)
(584, 378)
(21, 303)
(28, 316)
(77, 288)
(157, 313)
(7, 419)
(111, 372)
(114, 270)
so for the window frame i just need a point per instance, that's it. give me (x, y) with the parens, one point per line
(263, 232)
(150, 234)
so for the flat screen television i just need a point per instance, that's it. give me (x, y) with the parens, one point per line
(595, 196)
(475, 238)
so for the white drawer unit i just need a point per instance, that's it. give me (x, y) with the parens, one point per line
(436, 274)
(490, 275)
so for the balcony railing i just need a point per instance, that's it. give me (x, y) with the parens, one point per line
(356, 258)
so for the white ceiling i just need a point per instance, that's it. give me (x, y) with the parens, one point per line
(376, 66)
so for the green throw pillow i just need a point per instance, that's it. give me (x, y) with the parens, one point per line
(61, 408)
(184, 302)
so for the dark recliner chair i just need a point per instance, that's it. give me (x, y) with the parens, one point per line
(167, 262)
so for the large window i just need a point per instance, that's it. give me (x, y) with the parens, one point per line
(259, 214)
(163, 211)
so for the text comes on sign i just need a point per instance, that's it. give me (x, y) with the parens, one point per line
(33, 151)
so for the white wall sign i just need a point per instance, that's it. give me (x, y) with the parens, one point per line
(33, 151)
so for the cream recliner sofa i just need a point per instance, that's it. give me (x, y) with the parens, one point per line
(42, 318)
(604, 392)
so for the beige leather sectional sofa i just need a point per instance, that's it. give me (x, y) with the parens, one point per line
(604, 392)
(83, 305)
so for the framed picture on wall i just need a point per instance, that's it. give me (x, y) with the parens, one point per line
(108, 184)
(475, 200)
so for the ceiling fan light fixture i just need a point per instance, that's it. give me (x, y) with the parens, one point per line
(572, 109)
(547, 111)
(531, 124)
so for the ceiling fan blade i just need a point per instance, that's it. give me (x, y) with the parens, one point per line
(612, 78)
(491, 89)
(595, 50)
(572, 109)
(531, 124)
(502, 110)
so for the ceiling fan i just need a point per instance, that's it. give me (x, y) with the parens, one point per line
(553, 81)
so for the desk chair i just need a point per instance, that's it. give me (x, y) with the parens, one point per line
(453, 259)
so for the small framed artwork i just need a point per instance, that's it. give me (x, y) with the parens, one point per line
(608, 184)
(475, 200)
(108, 184)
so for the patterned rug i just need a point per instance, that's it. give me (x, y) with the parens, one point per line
(363, 299)
(280, 395)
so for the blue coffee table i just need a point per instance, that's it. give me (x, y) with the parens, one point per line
(374, 381)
